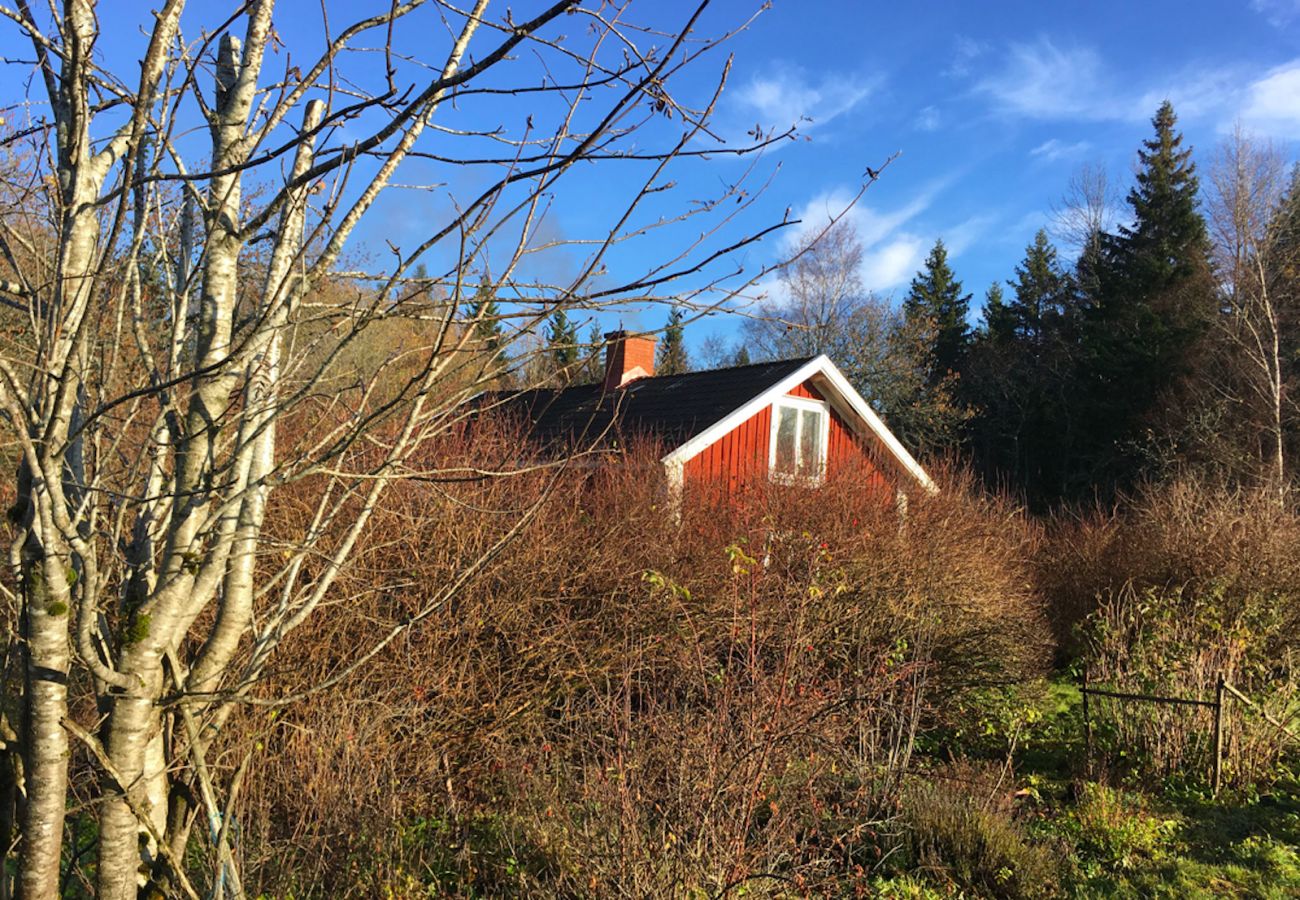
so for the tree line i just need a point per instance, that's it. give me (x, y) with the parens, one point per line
(1169, 343)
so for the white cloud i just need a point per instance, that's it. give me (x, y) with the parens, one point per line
(871, 225)
(927, 119)
(891, 252)
(1056, 149)
(787, 96)
(1272, 103)
(893, 262)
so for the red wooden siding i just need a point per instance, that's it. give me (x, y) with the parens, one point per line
(742, 456)
(737, 458)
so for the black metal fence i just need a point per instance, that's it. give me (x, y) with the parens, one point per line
(1223, 691)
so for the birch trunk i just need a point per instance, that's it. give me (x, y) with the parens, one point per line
(45, 559)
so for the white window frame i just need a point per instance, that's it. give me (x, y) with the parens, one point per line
(801, 404)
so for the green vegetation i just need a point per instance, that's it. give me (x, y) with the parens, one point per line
(1027, 825)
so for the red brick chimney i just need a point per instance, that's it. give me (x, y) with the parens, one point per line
(628, 357)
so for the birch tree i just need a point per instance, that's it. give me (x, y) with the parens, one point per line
(187, 319)
(1249, 220)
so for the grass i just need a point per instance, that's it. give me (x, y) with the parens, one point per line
(1157, 840)
(1119, 837)
(1143, 846)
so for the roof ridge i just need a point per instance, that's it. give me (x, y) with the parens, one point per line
(795, 360)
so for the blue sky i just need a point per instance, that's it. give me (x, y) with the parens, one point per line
(993, 107)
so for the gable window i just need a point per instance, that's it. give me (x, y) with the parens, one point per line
(800, 428)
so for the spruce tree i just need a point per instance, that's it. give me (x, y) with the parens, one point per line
(930, 411)
(741, 357)
(1283, 265)
(1042, 290)
(997, 322)
(593, 357)
(423, 283)
(483, 317)
(1167, 242)
(1020, 375)
(1156, 299)
(562, 345)
(673, 359)
(936, 297)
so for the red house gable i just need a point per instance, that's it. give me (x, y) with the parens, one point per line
(795, 421)
(750, 451)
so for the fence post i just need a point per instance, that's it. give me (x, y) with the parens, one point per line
(1087, 722)
(1219, 691)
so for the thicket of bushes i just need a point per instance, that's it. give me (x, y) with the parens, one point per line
(773, 697)
(624, 704)
(1183, 584)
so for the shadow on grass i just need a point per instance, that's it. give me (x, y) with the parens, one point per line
(1217, 830)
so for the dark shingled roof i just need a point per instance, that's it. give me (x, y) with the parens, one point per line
(670, 408)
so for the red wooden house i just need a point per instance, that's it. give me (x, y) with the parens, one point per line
(793, 421)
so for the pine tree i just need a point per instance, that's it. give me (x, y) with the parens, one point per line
(936, 296)
(673, 359)
(741, 357)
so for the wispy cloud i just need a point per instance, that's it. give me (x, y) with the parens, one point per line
(928, 119)
(961, 236)
(1044, 80)
(788, 95)
(1279, 13)
(1196, 92)
(1055, 149)
(1047, 81)
(1041, 80)
(964, 53)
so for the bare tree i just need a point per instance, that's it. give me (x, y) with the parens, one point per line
(192, 349)
(821, 291)
(1086, 209)
(1247, 186)
(823, 307)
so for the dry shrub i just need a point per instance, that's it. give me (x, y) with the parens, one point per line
(1187, 583)
(961, 829)
(621, 703)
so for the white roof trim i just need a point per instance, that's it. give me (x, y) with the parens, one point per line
(845, 394)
